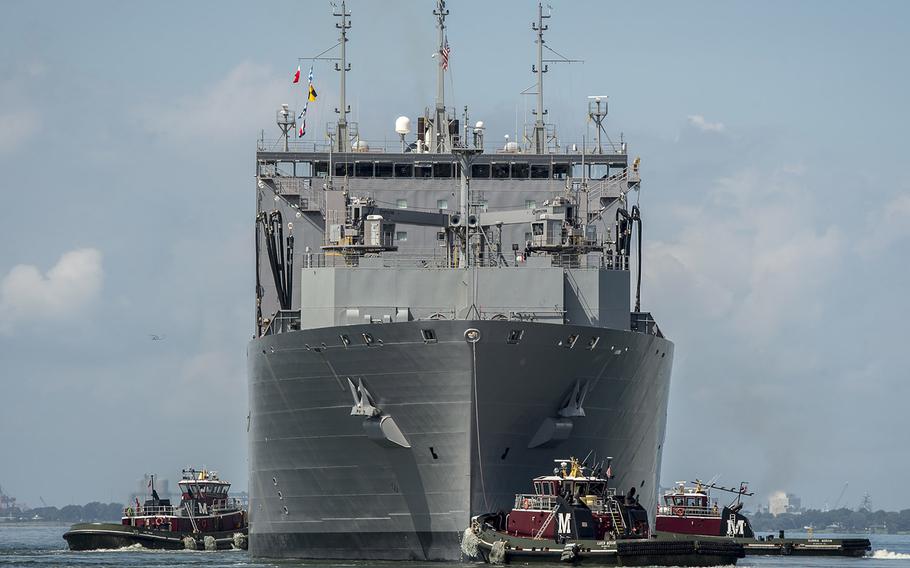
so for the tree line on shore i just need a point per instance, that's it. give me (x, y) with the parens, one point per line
(838, 520)
(90, 512)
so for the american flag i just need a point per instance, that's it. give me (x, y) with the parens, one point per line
(445, 55)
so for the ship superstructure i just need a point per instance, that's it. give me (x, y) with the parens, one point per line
(435, 321)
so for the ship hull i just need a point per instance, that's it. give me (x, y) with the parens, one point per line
(324, 484)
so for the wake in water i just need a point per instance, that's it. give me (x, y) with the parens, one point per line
(888, 555)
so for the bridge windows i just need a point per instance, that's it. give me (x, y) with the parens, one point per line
(344, 169)
(404, 170)
(540, 171)
(560, 171)
(401, 236)
(363, 169)
(480, 171)
(442, 204)
(321, 169)
(500, 170)
(384, 169)
(423, 170)
(442, 170)
(520, 170)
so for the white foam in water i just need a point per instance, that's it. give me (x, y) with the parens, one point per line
(469, 543)
(888, 555)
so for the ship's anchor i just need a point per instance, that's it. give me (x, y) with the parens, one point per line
(552, 431)
(379, 426)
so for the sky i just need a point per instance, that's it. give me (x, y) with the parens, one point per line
(775, 201)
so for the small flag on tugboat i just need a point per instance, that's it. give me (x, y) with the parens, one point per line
(302, 130)
(297, 75)
(312, 95)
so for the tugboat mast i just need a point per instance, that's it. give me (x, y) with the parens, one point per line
(343, 143)
(440, 122)
(540, 140)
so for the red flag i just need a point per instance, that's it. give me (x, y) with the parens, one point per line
(302, 130)
(610, 471)
(297, 75)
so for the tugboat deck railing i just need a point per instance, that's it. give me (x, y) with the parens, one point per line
(688, 511)
(217, 506)
(536, 502)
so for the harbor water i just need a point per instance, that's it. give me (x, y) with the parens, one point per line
(40, 545)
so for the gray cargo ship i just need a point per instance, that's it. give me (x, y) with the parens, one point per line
(438, 320)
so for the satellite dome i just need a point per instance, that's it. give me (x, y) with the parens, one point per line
(403, 125)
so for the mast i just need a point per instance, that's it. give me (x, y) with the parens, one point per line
(540, 140)
(440, 122)
(343, 143)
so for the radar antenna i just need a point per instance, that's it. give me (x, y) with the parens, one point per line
(597, 111)
(286, 123)
(540, 127)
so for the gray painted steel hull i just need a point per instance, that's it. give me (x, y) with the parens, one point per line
(468, 411)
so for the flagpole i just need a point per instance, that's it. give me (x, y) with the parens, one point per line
(440, 124)
(342, 134)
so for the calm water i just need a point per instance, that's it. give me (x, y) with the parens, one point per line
(42, 545)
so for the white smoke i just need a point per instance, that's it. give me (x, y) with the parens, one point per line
(699, 122)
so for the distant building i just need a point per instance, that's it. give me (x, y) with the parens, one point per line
(143, 488)
(781, 502)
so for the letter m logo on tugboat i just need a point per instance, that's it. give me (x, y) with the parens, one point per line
(736, 527)
(564, 523)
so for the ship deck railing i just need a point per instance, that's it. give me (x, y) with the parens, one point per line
(438, 260)
(687, 511)
(388, 146)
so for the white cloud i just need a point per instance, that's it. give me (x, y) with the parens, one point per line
(63, 292)
(699, 122)
(238, 105)
(889, 224)
(16, 128)
(748, 257)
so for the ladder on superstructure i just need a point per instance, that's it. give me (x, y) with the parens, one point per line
(546, 523)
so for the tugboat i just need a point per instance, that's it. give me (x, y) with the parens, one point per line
(575, 516)
(689, 512)
(206, 518)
